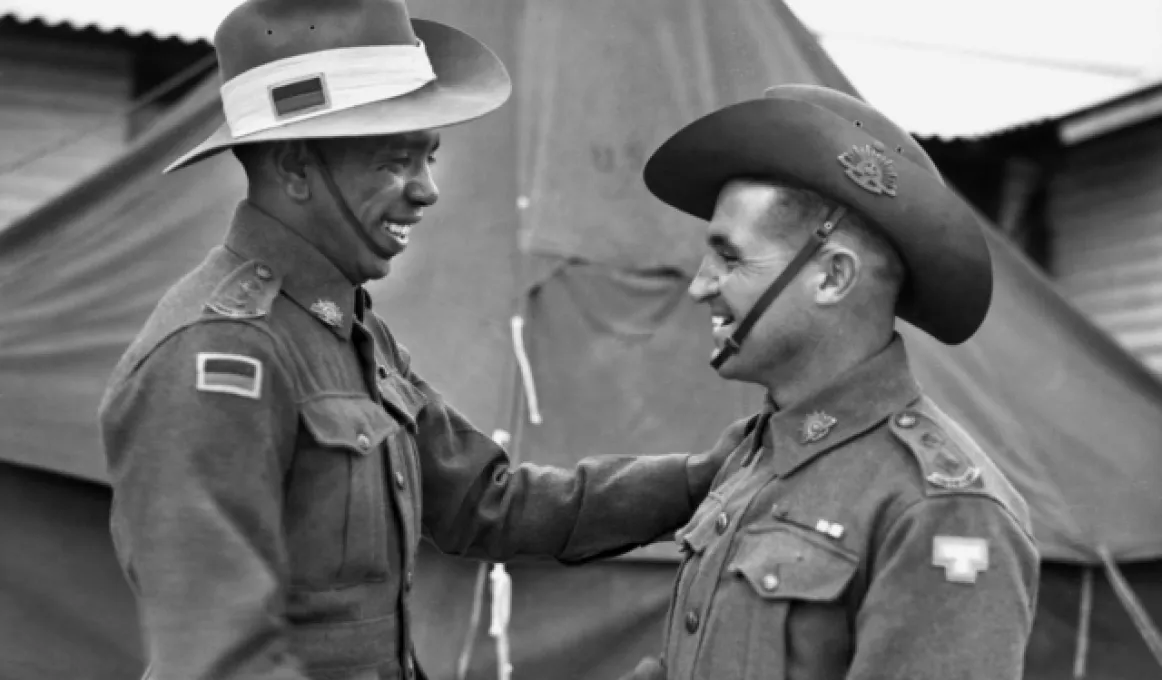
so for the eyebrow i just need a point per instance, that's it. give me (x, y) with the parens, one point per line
(721, 242)
(407, 144)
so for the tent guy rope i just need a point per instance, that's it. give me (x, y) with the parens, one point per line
(526, 369)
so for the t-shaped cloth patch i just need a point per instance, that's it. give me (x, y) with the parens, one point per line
(962, 558)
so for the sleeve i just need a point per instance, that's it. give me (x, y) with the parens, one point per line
(478, 505)
(197, 439)
(951, 595)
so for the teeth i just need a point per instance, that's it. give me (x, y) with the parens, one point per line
(400, 231)
(717, 322)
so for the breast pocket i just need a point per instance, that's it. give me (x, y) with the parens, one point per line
(336, 506)
(703, 528)
(782, 594)
(785, 562)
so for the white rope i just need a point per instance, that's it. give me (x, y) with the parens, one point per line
(503, 438)
(333, 80)
(501, 612)
(526, 369)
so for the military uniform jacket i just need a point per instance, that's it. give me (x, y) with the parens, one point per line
(275, 462)
(858, 535)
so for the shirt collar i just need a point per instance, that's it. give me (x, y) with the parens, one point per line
(309, 279)
(856, 402)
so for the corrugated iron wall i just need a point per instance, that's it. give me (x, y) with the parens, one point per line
(1105, 217)
(50, 91)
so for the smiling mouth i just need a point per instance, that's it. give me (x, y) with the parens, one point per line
(400, 232)
(721, 322)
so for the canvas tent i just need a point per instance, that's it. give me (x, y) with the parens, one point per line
(543, 217)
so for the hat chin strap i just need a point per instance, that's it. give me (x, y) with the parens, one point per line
(818, 237)
(337, 196)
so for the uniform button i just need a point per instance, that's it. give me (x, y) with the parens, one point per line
(692, 621)
(263, 272)
(407, 580)
(770, 582)
(906, 420)
(399, 481)
(363, 442)
(723, 523)
(381, 371)
(410, 667)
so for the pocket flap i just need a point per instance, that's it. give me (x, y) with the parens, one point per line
(355, 423)
(403, 398)
(785, 562)
(696, 536)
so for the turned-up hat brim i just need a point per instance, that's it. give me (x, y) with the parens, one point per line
(797, 143)
(471, 81)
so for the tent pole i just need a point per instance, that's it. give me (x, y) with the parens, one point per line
(1133, 605)
(1083, 620)
(514, 398)
(473, 622)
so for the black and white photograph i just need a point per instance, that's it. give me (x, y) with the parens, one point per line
(580, 340)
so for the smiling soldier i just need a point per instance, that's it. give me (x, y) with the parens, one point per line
(858, 532)
(274, 457)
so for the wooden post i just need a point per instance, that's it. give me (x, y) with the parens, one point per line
(1081, 653)
(1134, 608)
(1019, 183)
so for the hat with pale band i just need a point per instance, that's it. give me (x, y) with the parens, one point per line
(316, 69)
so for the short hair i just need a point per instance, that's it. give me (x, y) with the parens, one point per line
(812, 206)
(250, 157)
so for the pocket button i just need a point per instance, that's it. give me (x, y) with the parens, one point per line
(692, 621)
(722, 524)
(770, 582)
(363, 442)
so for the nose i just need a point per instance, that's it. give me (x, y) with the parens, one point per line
(705, 285)
(422, 189)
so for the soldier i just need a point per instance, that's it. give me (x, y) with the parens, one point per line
(858, 532)
(275, 459)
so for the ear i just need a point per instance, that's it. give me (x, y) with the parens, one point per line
(840, 269)
(290, 167)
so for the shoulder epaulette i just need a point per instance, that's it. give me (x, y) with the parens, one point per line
(946, 467)
(247, 292)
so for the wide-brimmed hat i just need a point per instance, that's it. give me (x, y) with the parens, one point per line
(836, 145)
(313, 69)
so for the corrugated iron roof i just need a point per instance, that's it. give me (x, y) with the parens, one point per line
(1110, 115)
(191, 22)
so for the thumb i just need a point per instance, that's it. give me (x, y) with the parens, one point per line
(649, 668)
(733, 435)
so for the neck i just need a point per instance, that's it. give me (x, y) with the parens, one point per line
(299, 222)
(823, 360)
(290, 217)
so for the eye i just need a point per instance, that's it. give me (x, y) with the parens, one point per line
(730, 260)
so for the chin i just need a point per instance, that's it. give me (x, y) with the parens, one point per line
(734, 369)
(745, 367)
(373, 271)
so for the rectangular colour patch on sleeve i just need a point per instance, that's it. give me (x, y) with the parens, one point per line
(229, 374)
